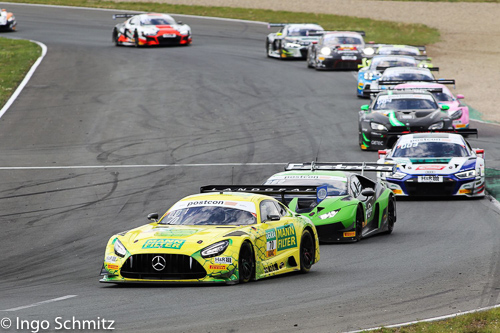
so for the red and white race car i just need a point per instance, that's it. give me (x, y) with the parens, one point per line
(150, 29)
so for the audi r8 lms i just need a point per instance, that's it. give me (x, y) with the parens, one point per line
(457, 111)
(337, 50)
(292, 40)
(343, 206)
(393, 49)
(394, 112)
(434, 164)
(7, 21)
(150, 29)
(371, 70)
(214, 237)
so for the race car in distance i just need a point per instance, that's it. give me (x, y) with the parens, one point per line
(371, 70)
(457, 111)
(150, 29)
(292, 40)
(395, 75)
(337, 50)
(395, 112)
(7, 21)
(343, 206)
(434, 164)
(215, 238)
(393, 49)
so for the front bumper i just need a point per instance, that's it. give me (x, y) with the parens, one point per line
(338, 61)
(451, 186)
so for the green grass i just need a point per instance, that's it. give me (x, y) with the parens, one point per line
(380, 31)
(479, 322)
(16, 58)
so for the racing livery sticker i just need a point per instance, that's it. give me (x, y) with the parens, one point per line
(223, 260)
(270, 243)
(163, 244)
(171, 232)
(286, 237)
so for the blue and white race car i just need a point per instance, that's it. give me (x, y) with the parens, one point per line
(434, 164)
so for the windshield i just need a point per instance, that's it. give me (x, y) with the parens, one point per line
(443, 97)
(338, 40)
(407, 77)
(209, 215)
(157, 21)
(398, 51)
(381, 62)
(430, 149)
(385, 102)
(335, 185)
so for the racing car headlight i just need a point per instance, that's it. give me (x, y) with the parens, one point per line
(329, 215)
(369, 51)
(325, 51)
(368, 76)
(466, 174)
(120, 250)
(457, 114)
(215, 249)
(437, 126)
(10, 19)
(398, 175)
(378, 127)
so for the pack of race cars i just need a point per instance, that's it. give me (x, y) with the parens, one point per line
(237, 233)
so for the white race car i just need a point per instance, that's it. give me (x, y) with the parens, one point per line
(7, 21)
(292, 40)
(434, 164)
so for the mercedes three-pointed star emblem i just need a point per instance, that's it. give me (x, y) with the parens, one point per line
(159, 263)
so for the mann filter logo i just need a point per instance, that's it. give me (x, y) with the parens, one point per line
(163, 244)
(271, 242)
(286, 237)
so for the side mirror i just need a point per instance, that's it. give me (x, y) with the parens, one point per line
(153, 217)
(444, 107)
(273, 217)
(460, 96)
(382, 153)
(479, 152)
(368, 192)
(179, 22)
(365, 107)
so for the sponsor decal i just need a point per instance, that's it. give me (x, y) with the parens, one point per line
(111, 258)
(395, 191)
(377, 142)
(350, 234)
(271, 243)
(112, 266)
(464, 191)
(286, 237)
(271, 268)
(223, 260)
(431, 167)
(163, 244)
(218, 267)
(205, 203)
(167, 232)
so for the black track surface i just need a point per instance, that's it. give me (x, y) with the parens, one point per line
(218, 101)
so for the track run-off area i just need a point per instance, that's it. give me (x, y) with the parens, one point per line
(102, 135)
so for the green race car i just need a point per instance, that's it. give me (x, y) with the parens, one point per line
(343, 206)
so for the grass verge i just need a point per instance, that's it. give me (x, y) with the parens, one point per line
(479, 322)
(16, 59)
(380, 31)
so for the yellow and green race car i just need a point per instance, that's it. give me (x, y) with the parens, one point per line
(214, 237)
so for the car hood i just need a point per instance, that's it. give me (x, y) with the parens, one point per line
(177, 236)
(437, 166)
(408, 117)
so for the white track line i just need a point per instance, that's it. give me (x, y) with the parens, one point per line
(25, 80)
(428, 320)
(136, 166)
(41, 303)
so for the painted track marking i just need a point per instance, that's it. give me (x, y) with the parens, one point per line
(41, 303)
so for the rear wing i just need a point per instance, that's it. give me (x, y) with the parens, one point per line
(396, 82)
(361, 32)
(271, 25)
(339, 166)
(415, 90)
(115, 16)
(469, 131)
(319, 192)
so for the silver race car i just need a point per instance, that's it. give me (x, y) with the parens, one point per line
(292, 40)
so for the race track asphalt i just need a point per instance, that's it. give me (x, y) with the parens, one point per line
(81, 155)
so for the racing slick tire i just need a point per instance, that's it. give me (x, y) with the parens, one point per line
(306, 251)
(391, 215)
(115, 37)
(267, 48)
(359, 224)
(246, 263)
